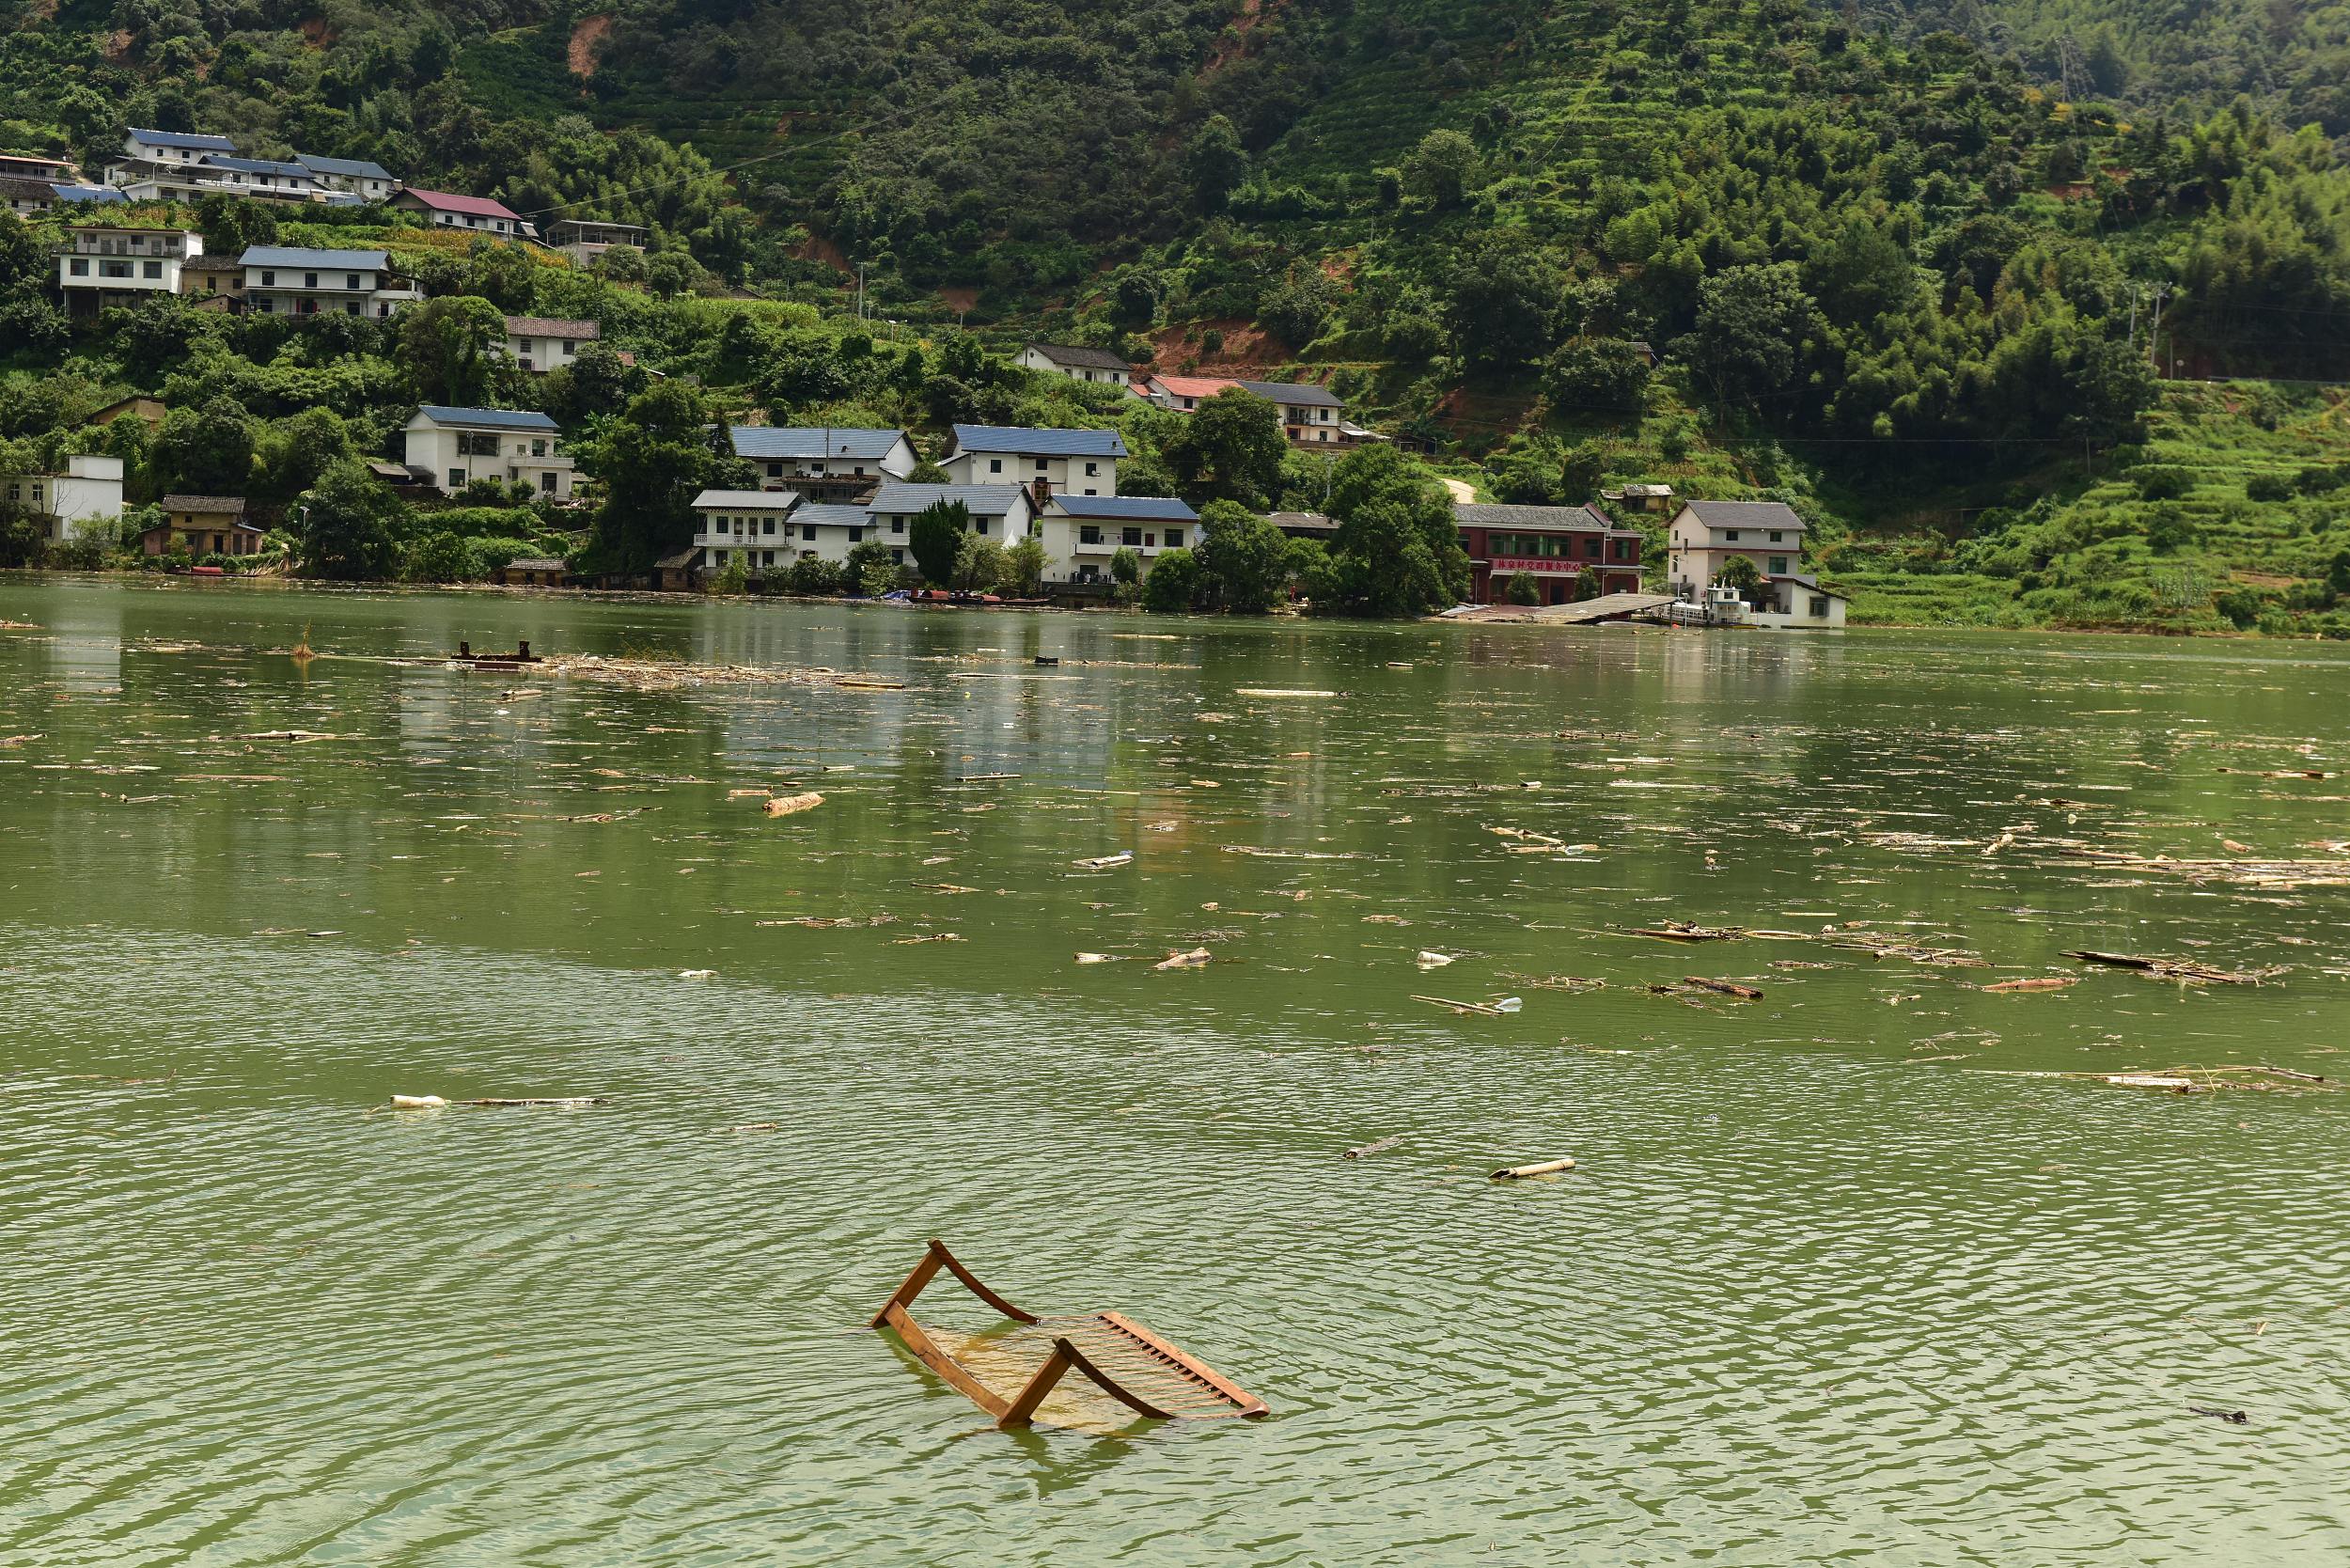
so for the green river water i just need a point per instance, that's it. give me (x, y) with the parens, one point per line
(1834, 1281)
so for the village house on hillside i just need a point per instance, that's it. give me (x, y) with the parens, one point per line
(89, 490)
(1312, 416)
(1080, 533)
(1559, 548)
(291, 280)
(754, 527)
(479, 214)
(1099, 366)
(351, 175)
(585, 238)
(1076, 462)
(539, 343)
(450, 448)
(101, 265)
(823, 463)
(30, 186)
(999, 512)
(41, 166)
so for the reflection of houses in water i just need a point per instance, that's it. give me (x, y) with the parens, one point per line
(1747, 672)
(85, 641)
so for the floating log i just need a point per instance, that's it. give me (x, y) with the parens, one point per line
(1191, 960)
(2043, 982)
(1364, 1150)
(1478, 1008)
(787, 805)
(1519, 1172)
(573, 1102)
(1105, 862)
(1727, 988)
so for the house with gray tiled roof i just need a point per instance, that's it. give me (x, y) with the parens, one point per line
(1076, 462)
(1098, 366)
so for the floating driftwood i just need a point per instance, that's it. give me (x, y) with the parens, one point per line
(2040, 982)
(1105, 862)
(1519, 1172)
(435, 1102)
(2185, 969)
(1502, 1009)
(1910, 953)
(2191, 1079)
(788, 805)
(1364, 1150)
(1684, 930)
(1727, 988)
(1191, 960)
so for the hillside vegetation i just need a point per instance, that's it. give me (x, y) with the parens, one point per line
(1901, 267)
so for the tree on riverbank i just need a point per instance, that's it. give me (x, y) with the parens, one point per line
(933, 538)
(350, 526)
(652, 460)
(1397, 550)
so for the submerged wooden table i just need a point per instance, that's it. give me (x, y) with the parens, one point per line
(1124, 1359)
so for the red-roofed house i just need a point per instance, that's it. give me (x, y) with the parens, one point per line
(479, 213)
(1309, 414)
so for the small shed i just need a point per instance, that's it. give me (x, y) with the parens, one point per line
(678, 571)
(533, 572)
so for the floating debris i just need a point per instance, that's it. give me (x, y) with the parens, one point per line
(1364, 1150)
(1095, 958)
(1520, 1173)
(697, 974)
(1433, 959)
(1104, 862)
(1191, 960)
(1281, 691)
(1727, 988)
(788, 805)
(2183, 969)
(2042, 982)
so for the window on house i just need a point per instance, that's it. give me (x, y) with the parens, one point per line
(1130, 536)
(857, 534)
(995, 465)
(979, 525)
(1093, 470)
(775, 470)
(309, 280)
(151, 269)
(1174, 538)
(1819, 607)
(808, 532)
(1039, 465)
(1775, 536)
(78, 267)
(570, 348)
(1088, 534)
(269, 280)
(350, 280)
(1778, 565)
(1731, 536)
(546, 482)
(539, 446)
(457, 479)
(114, 268)
(897, 558)
(897, 524)
(767, 525)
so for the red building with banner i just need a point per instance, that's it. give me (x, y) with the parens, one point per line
(1559, 547)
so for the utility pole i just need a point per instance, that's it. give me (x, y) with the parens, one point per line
(2155, 336)
(860, 290)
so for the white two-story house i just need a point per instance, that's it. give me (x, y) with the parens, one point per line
(89, 490)
(1080, 533)
(1703, 536)
(1000, 513)
(785, 453)
(1099, 366)
(98, 266)
(1310, 416)
(450, 448)
(291, 280)
(352, 176)
(166, 156)
(1076, 462)
(751, 527)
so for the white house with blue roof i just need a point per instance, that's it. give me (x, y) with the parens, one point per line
(1001, 513)
(352, 175)
(450, 448)
(1076, 462)
(293, 280)
(1080, 533)
(825, 452)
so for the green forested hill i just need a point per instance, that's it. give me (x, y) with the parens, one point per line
(1902, 263)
